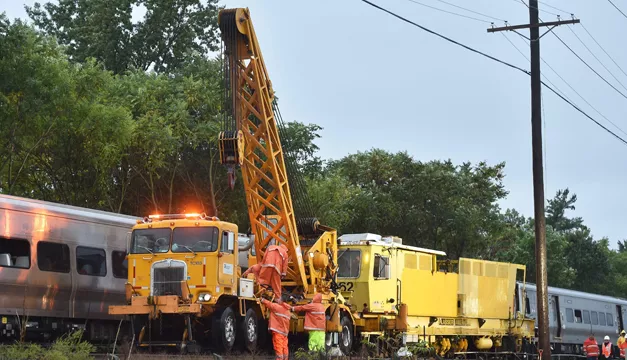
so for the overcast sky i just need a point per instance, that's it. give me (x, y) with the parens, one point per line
(372, 81)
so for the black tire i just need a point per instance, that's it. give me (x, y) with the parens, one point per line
(224, 330)
(346, 336)
(249, 331)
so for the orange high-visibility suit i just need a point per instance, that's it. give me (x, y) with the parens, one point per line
(591, 348)
(279, 326)
(253, 270)
(273, 267)
(315, 322)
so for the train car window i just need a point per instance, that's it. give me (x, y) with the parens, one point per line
(578, 318)
(586, 317)
(14, 253)
(196, 239)
(381, 267)
(150, 241)
(569, 315)
(91, 261)
(120, 264)
(610, 319)
(53, 257)
(595, 318)
(602, 321)
(349, 262)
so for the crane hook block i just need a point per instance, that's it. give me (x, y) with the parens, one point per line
(231, 146)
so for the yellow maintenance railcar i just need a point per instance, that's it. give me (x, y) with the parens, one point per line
(457, 306)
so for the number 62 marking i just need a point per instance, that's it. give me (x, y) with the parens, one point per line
(346, 286)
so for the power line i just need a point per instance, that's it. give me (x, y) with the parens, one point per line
(494, 59)
(584, 113)
(541, 10)
(589, 67)
(567, 84)
(527, 58)
(592, 53)
(449, 12)
(616, 7)
(606, 53)
(472, 11)
(558, 9)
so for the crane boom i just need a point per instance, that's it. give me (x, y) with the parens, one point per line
(251, 141)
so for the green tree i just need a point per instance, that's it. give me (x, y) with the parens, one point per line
(435, 204)
(170, 32)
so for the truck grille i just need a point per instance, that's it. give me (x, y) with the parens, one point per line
(167, 280)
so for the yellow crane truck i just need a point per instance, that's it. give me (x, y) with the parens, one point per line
(184, 281)
(184, 284)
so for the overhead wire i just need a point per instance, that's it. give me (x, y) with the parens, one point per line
(449, 12)
(588, 65)
(592, 53)
(527, 58)
(471, 11)
(606, 53)
(580, 58)
(541, 10)
(555, 8)
(617, 8)
(500, 62)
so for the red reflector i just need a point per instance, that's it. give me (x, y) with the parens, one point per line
(201, 286)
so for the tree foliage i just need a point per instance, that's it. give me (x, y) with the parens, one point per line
(163, 40)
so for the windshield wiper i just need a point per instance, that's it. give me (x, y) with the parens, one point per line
(145, 248)
(188, 248)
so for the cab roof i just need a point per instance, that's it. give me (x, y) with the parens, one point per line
(375, 239)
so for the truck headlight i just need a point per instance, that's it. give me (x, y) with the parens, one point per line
(204, 297)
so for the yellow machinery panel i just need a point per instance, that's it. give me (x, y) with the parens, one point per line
(486, 288)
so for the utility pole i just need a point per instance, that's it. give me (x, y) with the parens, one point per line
(544, 345)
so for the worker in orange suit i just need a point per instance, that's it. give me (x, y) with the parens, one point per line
(622, 344)
(279, 326)
(273, 267)
(591, 348)
(315, 322)
(606, 348)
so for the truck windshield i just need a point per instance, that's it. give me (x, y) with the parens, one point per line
(150, 241)
(195, 239)
(349, 262)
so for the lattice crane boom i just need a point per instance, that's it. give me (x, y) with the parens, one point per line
(251, 141)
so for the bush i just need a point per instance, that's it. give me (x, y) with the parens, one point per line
(67, 347)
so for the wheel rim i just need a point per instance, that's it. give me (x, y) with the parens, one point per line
(251, 330)
(328, 339)
(229, 329)
(346, 336)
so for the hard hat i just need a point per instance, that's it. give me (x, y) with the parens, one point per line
(606, 337)
(622, 332)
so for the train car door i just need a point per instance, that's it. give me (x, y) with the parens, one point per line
(558, 316)
(622, 313)
(553, 317)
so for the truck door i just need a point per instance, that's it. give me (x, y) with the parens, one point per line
(226, 261)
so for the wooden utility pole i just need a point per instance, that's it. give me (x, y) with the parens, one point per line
(544, 345)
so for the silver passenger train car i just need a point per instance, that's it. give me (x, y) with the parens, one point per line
(575, 315)
(60, 269)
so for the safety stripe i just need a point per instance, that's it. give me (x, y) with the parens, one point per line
(204, 269)
(134, 262)
(272, 266)
(278, 331)
(311, 328)
(318, 312)
(281, 315)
